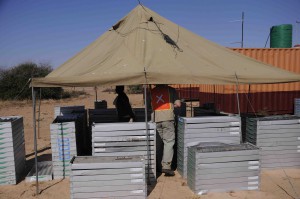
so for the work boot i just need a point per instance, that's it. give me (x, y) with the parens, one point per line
(168, 172)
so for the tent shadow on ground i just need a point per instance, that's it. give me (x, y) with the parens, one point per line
(39, 151)
(151, 185)
(30, 163)
(41, 158)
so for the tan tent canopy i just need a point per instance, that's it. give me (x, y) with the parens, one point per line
(145, 48)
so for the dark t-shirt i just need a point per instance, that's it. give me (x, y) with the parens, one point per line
(123, 106)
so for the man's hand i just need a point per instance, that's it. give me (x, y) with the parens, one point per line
(177, 104)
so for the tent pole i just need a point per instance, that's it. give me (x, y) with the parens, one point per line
(238, 101)
(191, 100)
(39, 116)
(214, 93)
(147, 133)
(249, 88)
(237, 95)
(35, 140)
(96, 93)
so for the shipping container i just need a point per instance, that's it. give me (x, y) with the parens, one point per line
(265, 99)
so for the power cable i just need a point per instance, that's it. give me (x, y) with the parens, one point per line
(250, 104)
(267, 40)
(21, 90)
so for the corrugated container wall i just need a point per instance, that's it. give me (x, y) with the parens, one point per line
(263, 98)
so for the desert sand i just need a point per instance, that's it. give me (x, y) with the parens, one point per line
(275, 184)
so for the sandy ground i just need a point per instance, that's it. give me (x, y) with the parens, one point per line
(275, 184)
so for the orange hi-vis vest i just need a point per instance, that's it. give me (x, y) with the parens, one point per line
(160, 99)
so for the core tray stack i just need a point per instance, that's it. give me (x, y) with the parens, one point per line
(108, 177)
(219, 167)
(191, 131)
(12, 149)
(126, 139)
(63, 145)
(297, 107)
(279, 140)
(67, 110)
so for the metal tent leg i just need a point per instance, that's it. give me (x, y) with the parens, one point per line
(35, 139)
(147, 134)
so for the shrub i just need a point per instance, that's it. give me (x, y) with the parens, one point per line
(135, 89)
(14, 82)
(71, 94)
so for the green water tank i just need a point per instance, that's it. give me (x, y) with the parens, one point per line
(281, 36)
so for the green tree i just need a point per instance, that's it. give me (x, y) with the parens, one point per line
(135, 89)
(14, 82)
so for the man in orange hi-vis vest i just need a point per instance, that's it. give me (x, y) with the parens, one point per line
(163, 100)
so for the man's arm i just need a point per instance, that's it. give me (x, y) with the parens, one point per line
(177, 104)
(175, 98)
(128, 107)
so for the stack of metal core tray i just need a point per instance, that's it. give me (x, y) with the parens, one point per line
(180, 111)
(102, 104)
(110, 115)
(140, 114)
(279, 140)
(297, 106)
(200, 111)
(126, 139)
(83, 135)
(103, 116)
(191, 131)
(67, 110)
(63, 145)
(12, 149)
(219, 167)
(248, 121)
(108, 177)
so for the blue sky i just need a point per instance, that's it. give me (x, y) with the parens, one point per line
(52, 31)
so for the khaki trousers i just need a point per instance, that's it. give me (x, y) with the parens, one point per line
(166, 133)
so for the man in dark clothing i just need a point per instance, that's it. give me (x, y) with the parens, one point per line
(123, 106)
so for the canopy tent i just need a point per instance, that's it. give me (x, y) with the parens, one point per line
(145, 48)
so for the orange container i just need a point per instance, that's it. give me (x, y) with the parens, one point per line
(264, 98)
